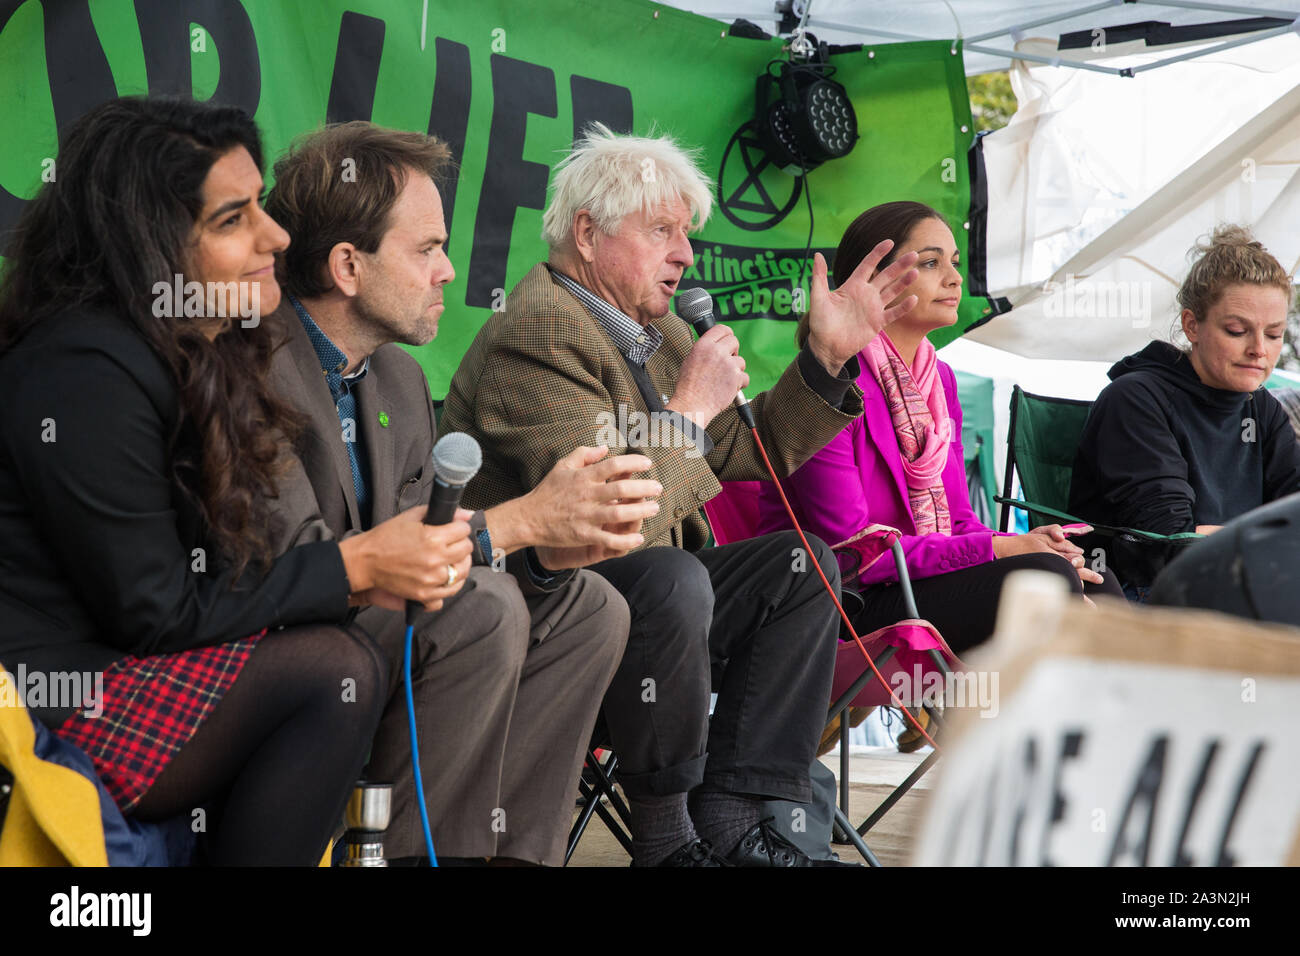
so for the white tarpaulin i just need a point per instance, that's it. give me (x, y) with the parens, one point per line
(1101, 183)
(1099, 187)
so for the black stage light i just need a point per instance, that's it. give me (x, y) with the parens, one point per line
(803, 117)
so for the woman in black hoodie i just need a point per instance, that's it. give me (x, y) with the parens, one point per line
(1188, 440)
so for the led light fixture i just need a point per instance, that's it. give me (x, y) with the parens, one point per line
(803, 117)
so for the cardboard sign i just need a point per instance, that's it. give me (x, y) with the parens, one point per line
(1124, 737)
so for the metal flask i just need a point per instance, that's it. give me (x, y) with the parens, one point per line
(367, 816)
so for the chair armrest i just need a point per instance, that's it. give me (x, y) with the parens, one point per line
(1142, 537)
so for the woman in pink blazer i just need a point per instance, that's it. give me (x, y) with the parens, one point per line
(901, 464)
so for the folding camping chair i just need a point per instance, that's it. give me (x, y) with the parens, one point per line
(1042, 440)
(904, 646)
(596, 789)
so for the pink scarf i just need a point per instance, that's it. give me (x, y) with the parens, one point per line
(918, 408)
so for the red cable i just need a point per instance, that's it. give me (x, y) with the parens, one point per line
(836, 598)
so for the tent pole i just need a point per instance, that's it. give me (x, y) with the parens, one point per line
(1228, 8)
(1240, 41)
(1049, 60)
(1021, 27)
(868, 31)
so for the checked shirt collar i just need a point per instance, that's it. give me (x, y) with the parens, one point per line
(635, 342)
(332, 359)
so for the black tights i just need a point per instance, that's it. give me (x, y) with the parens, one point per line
(963, 605)
(275, 760)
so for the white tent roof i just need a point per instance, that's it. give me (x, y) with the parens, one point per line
(1099, 187)
(1101, 183)
(983, 24)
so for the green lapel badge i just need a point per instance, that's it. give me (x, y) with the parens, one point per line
(383, 419)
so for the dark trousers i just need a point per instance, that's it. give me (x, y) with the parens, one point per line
(963, 605)
(752, 621)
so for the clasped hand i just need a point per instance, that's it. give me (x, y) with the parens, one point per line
(589, 508)
(1049, 539)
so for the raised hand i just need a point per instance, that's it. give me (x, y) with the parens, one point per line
(844, 322)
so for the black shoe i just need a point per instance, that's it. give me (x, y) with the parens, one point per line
(696, 853)
(764, 846)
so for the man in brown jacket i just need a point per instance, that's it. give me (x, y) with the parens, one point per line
(587, 351)
(507, 676)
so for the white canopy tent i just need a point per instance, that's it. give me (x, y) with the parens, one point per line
(1098, 188)
(1101, 182)
(990, 29)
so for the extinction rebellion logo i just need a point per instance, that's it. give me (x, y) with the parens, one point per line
(748, 181)
(749, 283)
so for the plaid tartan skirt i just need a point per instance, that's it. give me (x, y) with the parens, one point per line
(152, 706)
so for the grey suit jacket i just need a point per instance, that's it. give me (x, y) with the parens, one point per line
(396, 424)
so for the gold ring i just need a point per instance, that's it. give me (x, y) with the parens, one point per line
(451, 575)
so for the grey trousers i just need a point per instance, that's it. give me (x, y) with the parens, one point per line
(506, 692)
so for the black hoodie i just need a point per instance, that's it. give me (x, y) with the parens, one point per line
(1164, 452)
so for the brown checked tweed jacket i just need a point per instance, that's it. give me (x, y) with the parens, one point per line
(543, 377)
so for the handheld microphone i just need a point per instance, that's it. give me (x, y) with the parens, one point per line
(456, 459)
(696, 307)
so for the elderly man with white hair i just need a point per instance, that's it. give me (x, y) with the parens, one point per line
(587, 353)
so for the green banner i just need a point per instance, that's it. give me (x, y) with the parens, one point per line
(507, 85)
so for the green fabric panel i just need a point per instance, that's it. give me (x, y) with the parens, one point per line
(1046, 438)
(976, 396)
(26, 106)
(680, 73)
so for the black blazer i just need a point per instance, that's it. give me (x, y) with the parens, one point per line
(97, 543)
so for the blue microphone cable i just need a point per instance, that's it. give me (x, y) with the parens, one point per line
(456, 459)
(415, 747)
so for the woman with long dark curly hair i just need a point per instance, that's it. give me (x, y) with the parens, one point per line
(139, 443)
